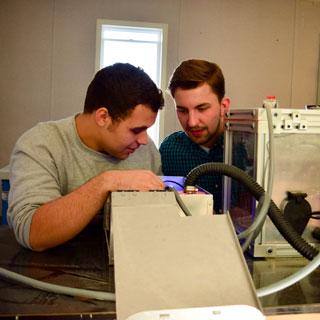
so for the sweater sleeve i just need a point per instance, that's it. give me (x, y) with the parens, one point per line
(155, 160)
(33, 182)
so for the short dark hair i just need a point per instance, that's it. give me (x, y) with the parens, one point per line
(120, 88)
(192, 73)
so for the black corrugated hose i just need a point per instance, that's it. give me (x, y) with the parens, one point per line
(286, 230)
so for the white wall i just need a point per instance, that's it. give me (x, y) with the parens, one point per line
(47, 52)
(264, 47)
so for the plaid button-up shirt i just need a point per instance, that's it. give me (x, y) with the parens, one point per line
(179, 155)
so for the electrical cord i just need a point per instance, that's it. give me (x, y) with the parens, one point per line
(292, 279)
(98, 295)
(264, 201)
(183, 207)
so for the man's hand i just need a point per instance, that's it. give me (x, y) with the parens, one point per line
(60, 220)
(141, 180)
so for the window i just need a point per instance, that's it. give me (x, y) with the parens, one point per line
(139, 43)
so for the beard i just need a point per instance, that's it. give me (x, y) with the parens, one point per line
(208, 139)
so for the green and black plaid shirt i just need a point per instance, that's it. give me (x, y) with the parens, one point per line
(179, 155)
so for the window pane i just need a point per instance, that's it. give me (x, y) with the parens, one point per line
(144, 55)
(127, 33)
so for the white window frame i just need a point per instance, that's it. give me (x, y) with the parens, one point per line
(159, 135)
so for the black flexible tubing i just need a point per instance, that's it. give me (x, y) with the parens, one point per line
(286, 230)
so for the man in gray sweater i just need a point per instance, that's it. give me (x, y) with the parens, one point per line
(61, 172)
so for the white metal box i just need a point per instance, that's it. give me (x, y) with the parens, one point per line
(296, 135)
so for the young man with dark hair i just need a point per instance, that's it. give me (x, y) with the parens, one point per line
(61, 172)
(198, 89)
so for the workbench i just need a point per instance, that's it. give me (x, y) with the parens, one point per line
(82, 263)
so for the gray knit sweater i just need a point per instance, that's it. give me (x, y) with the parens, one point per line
(50, 160)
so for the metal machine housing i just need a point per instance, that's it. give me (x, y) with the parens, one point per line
(297, 168)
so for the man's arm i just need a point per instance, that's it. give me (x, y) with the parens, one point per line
(60, 220)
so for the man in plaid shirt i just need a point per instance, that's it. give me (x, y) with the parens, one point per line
(198, 89)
